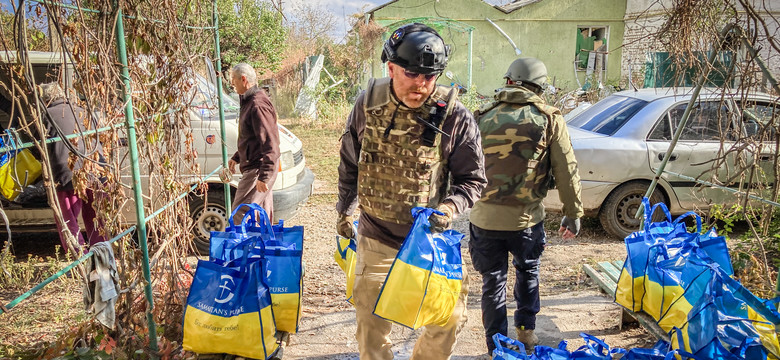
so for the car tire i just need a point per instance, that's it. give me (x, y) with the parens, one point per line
(207, 217)
(618, 210)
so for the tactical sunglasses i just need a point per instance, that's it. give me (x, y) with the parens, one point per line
(414, 76)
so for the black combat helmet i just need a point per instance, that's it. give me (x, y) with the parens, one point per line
(417, 48)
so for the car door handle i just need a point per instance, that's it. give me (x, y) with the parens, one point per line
(764, 157)
(673, 157)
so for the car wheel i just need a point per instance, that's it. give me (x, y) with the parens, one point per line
(207, 218)
(618, 210)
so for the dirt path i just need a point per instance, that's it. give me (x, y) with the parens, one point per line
(570, 302)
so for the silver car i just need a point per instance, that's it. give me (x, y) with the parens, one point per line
(620, 141)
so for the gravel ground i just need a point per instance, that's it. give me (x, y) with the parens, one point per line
(571, 303)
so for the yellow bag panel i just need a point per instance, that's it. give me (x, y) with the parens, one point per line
(287, 311)
(237, 335)
(676, 316)
(766, 330)
(686, 345)
(630, 298)
(344, 244)
(21, 170)
(656, 296)
(351, 264)
(405, 300)
(440, 301)
(347, 264)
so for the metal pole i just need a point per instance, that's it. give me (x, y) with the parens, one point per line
(686, 114)
(219, 97)
(469, 60)
(139, 200)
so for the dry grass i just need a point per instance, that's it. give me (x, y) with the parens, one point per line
(321, 147)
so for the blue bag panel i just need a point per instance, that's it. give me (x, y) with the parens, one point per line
(421, 253)
(229, 311)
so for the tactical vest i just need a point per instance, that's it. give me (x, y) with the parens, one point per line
(515, 133)
(396, 172)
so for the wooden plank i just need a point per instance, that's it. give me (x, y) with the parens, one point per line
(610, 270)
(605, 283)
(618, 264)
(650, 324)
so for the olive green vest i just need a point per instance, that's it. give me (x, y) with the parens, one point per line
(395, 171)
(515, 132)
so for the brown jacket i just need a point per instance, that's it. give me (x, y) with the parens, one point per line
(258, 135)
(463, 151)
(70, 120)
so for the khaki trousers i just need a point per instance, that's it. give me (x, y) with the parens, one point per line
(247, 193)
(373, 333)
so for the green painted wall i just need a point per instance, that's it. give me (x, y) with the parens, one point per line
(546, 30)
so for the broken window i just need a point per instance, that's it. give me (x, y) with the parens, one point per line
(591, 41)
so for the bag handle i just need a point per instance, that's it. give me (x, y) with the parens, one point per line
(343, 251)
(499, 340)
(691, 214)
(248, 255)
(648, 214)
(599, 347)
(265, 225)
(423, 213)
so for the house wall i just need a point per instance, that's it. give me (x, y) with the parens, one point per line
(546, 30)
(646, 17)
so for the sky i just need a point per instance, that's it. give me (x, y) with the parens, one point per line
(342, 9)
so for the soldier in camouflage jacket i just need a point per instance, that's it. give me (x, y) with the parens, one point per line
(526, 145)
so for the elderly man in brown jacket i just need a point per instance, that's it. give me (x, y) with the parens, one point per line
(258, 143)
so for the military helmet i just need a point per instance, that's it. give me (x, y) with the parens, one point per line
(528, 70)
(417, 48)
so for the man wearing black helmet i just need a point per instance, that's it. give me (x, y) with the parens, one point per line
(408, 142)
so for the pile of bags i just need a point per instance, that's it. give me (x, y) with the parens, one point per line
(594, 349)
(248, 290)
(684, 281)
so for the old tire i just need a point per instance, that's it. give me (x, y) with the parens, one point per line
(618, 210)
(207, 217)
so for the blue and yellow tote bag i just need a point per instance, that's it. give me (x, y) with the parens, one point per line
(18, 168)
(424, 282)
(229, 311)
(346, 257)
(630, 288)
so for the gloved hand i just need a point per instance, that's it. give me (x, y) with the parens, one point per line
(344, 226)
(569, 228)
(442, 222)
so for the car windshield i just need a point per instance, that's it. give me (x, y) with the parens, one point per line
(608, 115)
(205, 96)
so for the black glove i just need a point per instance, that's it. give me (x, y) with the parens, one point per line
(442, 222)
(344, 226)
(570, 224)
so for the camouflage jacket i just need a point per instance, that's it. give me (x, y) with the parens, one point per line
(526, 145)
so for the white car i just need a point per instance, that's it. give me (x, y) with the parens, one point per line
(620, 142)
(292, 187)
